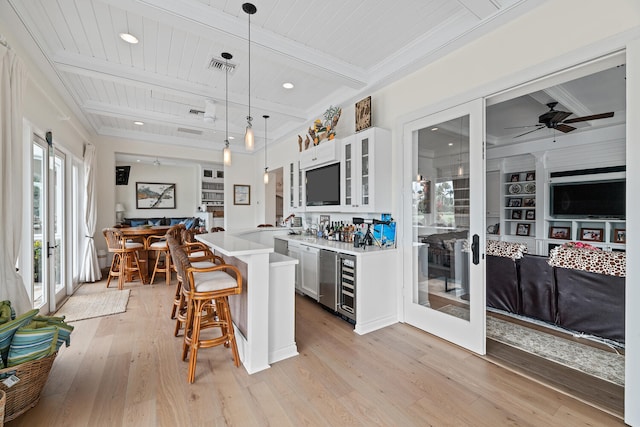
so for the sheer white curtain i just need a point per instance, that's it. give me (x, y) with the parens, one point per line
(13, 77)
(90, 268)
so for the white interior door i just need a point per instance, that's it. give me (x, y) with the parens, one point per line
(48, 230)
(444, 219)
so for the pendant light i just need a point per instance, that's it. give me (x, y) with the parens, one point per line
(249, 141)
(226, 152)
(266, 169)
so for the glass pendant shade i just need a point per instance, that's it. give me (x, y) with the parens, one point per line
(266, 176)
(249, 140)
(226, 155)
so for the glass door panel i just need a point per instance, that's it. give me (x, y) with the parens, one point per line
(39, 191)
(57, 246)
(445, 222)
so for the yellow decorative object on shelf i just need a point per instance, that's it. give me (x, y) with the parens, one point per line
(325, 129)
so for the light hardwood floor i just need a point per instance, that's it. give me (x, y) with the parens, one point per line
(125, 370)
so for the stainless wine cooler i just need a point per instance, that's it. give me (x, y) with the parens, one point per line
(347, 286)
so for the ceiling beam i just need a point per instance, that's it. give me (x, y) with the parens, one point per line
(186, 13)
(480, 8)
(97, 68)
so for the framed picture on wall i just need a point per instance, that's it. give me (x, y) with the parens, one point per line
(155, 195)
(241, 194)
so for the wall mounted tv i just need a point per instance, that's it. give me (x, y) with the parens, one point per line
(323, 186)
(602, 199)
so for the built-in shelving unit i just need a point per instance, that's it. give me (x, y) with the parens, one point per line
(519, 202)
(605, 233)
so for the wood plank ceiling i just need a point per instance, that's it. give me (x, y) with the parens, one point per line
(333, 51)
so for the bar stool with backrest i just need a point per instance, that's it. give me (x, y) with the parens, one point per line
(197, 251)
(158, 244)
(125, 256)
(207, 292)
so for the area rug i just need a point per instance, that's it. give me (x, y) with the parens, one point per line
(96, 304)
(599, 363)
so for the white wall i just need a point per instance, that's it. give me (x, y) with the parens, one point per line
(185, 178)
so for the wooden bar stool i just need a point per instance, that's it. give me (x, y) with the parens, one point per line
(206, 291)
(125, 257)
(158, 244)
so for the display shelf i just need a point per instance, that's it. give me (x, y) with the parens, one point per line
(519, 204)
(605, 233)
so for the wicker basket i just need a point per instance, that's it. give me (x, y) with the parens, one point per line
(26, 393)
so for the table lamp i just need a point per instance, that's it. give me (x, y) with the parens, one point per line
(119, 212)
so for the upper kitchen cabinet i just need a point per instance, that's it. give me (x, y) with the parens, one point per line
(366, 171)
(295, 179)
(320, 155)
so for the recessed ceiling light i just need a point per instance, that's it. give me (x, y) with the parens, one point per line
(434, 128)
(129, 38)
(287, 85)
(138, 123)
(138, 160)
(450, 144)
(231, 137)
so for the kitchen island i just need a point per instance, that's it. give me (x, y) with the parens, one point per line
(264, 314)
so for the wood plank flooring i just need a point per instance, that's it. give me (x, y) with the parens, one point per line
(125, 370)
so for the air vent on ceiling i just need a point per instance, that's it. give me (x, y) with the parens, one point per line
(221, 64)
(195, 111)
(191, 131)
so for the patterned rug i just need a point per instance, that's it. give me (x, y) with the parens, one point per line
(87, 305)
(599, 363)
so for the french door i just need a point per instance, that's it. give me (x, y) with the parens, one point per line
(444, 220)
(48, 226)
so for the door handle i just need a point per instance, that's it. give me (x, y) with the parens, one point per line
(49, 247)
(475, 249)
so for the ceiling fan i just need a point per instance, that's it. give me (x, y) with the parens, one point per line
(554, 119)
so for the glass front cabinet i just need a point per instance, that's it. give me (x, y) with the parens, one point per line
(366, 171)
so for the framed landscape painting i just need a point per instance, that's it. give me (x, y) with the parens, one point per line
(153, 195)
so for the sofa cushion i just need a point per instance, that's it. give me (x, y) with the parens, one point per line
(594, 261)
(537, 288)
(506, 249)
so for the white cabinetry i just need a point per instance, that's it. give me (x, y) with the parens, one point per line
(608, 234)
(366, 171)
(309, 261)
(295, 251)
(296, 180)
(320, 155)
(212, 186)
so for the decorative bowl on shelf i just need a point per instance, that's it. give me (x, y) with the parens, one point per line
(515, 189)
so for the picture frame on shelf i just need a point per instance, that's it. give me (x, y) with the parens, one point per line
(241, 194)
(523, 229)
(620, 235)
(531, 176)
(515, 202)
(529, 202)
(591, 234)
(563, 233)
(516, 214)
(530, 215)
(363, 114)
(515, 177)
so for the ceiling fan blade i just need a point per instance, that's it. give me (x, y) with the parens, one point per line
(564, 128)
(522, 127)
(592, 117)
(523, 134)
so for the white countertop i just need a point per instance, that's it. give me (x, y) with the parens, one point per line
(231, 245)
(332, 245)
(277, 260)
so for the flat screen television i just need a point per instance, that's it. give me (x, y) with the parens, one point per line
(323, 186)
(603, 199)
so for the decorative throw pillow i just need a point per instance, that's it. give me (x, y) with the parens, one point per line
(506, 249)
(64, 329)
(6, 311)
(138, 222)
(32, 344)
(8, 329)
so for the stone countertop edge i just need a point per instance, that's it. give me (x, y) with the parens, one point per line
(331, 245)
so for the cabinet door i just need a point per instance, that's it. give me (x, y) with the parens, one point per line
(295, 252)
(348, 201)
(310, 271)
(296, 187)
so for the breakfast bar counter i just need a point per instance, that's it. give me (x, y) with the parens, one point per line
(264, 314)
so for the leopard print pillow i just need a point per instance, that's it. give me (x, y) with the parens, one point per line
(610, 263)
(506, 249)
